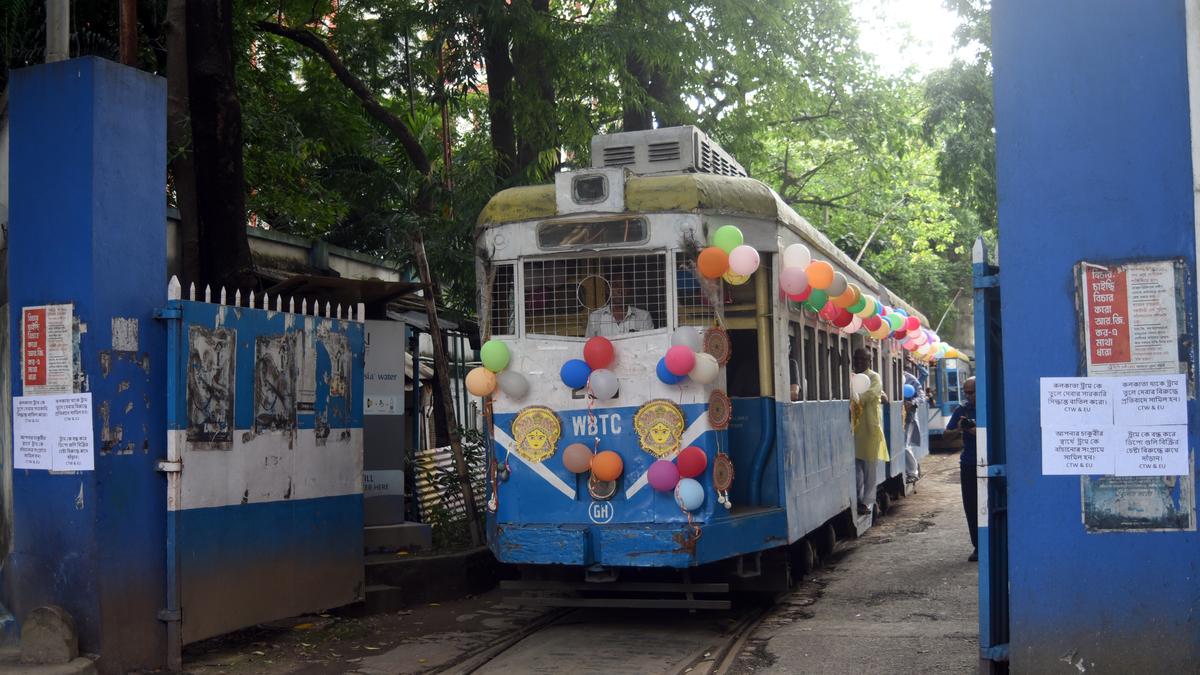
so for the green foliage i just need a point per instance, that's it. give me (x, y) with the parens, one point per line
(451, 528)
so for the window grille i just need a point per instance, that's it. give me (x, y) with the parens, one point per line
(574, 297)
(503, 319)
(822, 351)
(810, 365)
(847, 352)
(696, 297)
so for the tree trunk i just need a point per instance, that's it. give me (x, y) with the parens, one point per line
(129, 33)
(500, 74)
(179, 142)
(217, 145)
(535, 81)
(636, 111)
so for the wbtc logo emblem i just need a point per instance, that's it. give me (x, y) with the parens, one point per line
(601, 512)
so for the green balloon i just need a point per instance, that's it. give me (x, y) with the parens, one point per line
(495, 355)
(895, 321)
(727, 238)
(858, 306)
(817, 299)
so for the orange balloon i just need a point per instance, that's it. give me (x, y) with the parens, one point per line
(713, 262)
(607, 465)
(848, 298)
(820, 274)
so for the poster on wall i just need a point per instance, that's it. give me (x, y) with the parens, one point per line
(210, 386)
(47, 350)
(1130, 323)
(53, 433)
(384, 371)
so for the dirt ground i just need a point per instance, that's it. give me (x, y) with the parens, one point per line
(901, 599)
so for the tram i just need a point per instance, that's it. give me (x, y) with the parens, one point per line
(945, 388)
(619, 243)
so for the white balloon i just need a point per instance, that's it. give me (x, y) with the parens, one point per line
(512, 384)
(837, 286)
(859, 383)
(706, 369)
(687, 336)
(855, 325)
(603, 384)
(797, 255)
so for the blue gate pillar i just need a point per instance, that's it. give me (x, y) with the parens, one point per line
(87, 228)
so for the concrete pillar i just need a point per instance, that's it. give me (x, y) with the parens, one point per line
(87, 213)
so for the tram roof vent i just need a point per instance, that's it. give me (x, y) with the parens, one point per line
(659, 151)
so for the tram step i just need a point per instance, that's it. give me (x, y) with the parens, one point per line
(634, 603)
(616, 586)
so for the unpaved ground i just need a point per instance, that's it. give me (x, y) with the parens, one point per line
(902, 599)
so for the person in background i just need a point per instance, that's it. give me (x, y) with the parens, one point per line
(962, 425)
(912, 427)
(618, 317)
(870, 448)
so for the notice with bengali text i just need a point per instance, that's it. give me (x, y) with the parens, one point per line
(53, 433)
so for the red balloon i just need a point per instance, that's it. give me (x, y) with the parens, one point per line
(598, 352)
(899, 335)
(691, 462)
(801, 297)
(872, 322)
(843, 318)
(912, 323)
(829, 311)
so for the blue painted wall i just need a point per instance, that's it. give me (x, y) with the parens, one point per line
(87, 186)
(1093, 158)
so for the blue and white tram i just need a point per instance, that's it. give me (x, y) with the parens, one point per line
(774, 427)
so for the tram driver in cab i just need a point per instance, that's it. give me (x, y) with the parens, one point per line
(618, 317)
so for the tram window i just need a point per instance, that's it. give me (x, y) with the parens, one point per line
(845, 369)
(503, 319)
(835, 369)
(823, 350)
(599, 295)
(572, 234)
(810, 364)
(794, 355)
(696, 297)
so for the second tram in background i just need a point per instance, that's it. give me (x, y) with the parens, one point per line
(612, 251)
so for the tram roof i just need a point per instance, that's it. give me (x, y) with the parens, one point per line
(689, 192)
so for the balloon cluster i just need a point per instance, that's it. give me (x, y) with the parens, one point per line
(484, 380)
(592, 371)
(686, 358)
(680, 476)
(728, 257)
(605, 465)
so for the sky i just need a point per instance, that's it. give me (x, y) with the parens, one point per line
(904, 33)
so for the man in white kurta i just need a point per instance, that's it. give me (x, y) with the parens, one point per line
(618, 317)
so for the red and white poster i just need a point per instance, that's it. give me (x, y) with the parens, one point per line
(47, 350)
(1131, 322)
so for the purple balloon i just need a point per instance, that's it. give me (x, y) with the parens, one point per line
(663, 475)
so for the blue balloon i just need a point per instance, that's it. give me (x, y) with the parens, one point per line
(900, 312)
(909, 391)
(575, 373)
(689, 494)
(665, 375)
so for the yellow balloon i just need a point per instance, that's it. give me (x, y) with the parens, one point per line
(869, 309)
(481, 382)
(735, 279)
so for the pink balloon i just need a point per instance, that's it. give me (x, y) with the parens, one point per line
(663, 475)
(912, 323)
(793, 280)
(743, 260)
(680, 360)
(909, 345)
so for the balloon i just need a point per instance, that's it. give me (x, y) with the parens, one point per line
(953, 354)
(495, 355)
(680, 360)
(796, 255)
(924, 349)
(900, 311)
(872, 322)
(837, 286)
(895, 321)
(912, 323)
(828, 312)
(910, 345)
(607, 465)
(900, 335)
(481, 382)
(868, 308)
(802, 295)
(848, 297)
(909, 391)
(692, 461)
(706, 369)
(513, 384)
(882, 332)
(843, 318)
(663, 475)
(598, 352)
(712, 262)
(577, 458)
(689, 494)
(574, 373)
(793, 280)
(820, 274)
(919, 338)
(689, 337)
(727, 238)
(743, 260)
(735, 279)
(859, 305)
(603, 384)
(665, 375)
(855, 324)
(859, 383)
(817, 299)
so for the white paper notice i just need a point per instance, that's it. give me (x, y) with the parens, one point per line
(1076, 401)
(53, 432)
(1151, 400)
(1076, 451)
(1151, 451)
